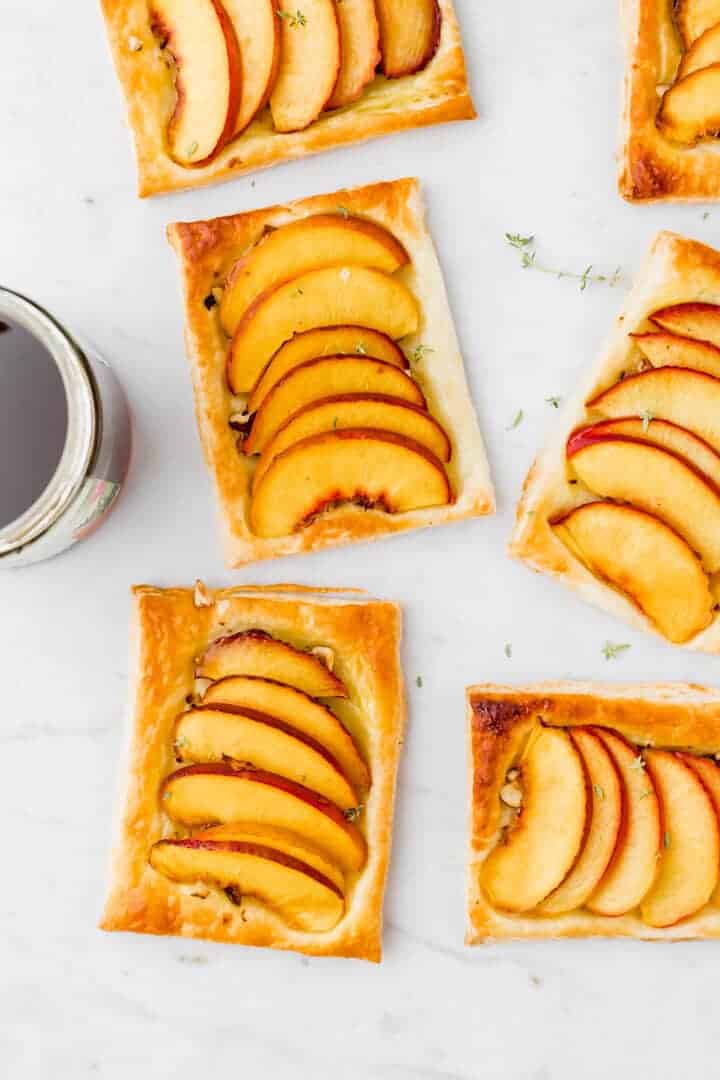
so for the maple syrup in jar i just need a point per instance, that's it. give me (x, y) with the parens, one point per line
(64, 435)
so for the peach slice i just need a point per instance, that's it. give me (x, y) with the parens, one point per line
(690, 399)
(300, 894)
(223, 794)
(374, 468)
(329, 376)
(654, 480)
(326, 341)
(279, 840)
(664, 349)
(694, 320)
(634, 865)
(334, 296)
(542, 845)
(216, 733)
(703, 52)
(409, 35)
(667, 436)
(359, 48)
(312, 243)
(208, 76)
(309, 64)
(690, 858)
(690, 109)
(358, 411)
(644, 559)
(694, 17)
(253, 652)
(709, 773)
(294, 707)
(257, 30)
(606, 801)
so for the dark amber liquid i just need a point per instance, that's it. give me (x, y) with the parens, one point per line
(33, 420)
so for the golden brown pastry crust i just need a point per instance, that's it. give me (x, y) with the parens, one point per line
(207, 251)
(169, 632)
(676, 270)
(671, 715)
(652, 168)
(433, 96)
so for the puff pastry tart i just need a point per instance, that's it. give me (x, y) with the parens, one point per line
(261, 769)
(672, 100)
(329, 386)
(624, 502)
(217, 88)
(594, 811)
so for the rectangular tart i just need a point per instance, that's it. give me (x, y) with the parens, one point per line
(594, 811)
(362, 257)
(266, 730)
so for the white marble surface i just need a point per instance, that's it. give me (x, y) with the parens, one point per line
(78, 1004)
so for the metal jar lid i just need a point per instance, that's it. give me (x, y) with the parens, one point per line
(81, 422)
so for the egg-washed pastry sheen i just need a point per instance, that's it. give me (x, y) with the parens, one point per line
(218, 88)
(330, 392)
(672, 100)
(623, 504)
(594, 811)
(266, 731)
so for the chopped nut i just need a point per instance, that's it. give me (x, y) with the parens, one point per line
(511, 795)
(513, 774)
(201, 893)
(201, 597)
(200, 687)
(239, 419)
(344, 274)
(134, 43)
(325, 655)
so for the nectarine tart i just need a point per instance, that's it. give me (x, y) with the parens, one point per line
(330, 390)
(624, 502)
(267, 731)
(595, 811)
(672, 100)
(218, 88)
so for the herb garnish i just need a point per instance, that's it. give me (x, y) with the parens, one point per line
(666, 840)
(353, 813)
(360, 349)
(646, 416)
(508, 650)
(554, 401)
(343, 211)
(418, 681)
(638, 764)
(611, 651)
(298, 19)
(418, 353)
(528, 259)
(192, 149)
(599, 791)
(516, 421)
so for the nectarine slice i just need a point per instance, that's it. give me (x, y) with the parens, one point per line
(694, 17)
(709, 773)
(690, 399)
(690, 857)
(300, 894)
(668, 436)
(329, 376)
(326, 341)
(654, 480)
(253, 652)
(223, 794)
(409, 34)
(374, 468)
(633, 867)
(309, 64)
(208, 76)
(690, 109)
(294, 707)
(644, 559)
(703, 52)
(312, 243)
(664, 349)
(359, 49)
(696, 320)
(358, 411)
(279, 840)
(542, 845)
(606, 810)
(257, 30)
(334, 296)
(218, 732)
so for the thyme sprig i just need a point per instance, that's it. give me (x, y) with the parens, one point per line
(298, 19)
(529, 261)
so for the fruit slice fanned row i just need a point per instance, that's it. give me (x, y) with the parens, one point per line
(605, 826)
(652, 454)
(314, 312)
(232, 58)
(275, 774)
(690, 108)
